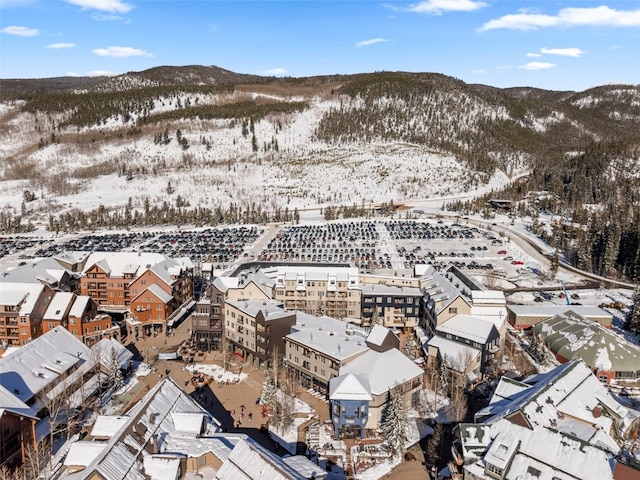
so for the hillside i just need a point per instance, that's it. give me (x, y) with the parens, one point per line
(212, 145)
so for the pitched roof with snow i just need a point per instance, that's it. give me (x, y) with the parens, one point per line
(378, 335)
(331, 337)
(384, 370)
(570, 336)
(517, 450)
(9, 402)
(23, 294)
(135, 263)
(59, 305)
(271, 309)
(108, 425)
(349, 387)
(437, 288)
(45, 270)
(79, 306)
(103, 350)
(455, 355)
(157, 292)
(571, 389)
(41, 362)
(469, 327)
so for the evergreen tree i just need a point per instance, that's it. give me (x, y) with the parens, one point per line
(394, 421)
(433, 445)
(633, 317)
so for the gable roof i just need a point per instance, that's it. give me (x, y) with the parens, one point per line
(24, 294)
(41, 362)
(157, 292)
(379, 334)
(103, 351)
(572, 390)
(9, 402)
(469, 327)
(58, 306)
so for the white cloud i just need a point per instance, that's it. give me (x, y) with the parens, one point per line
(73, 74)
(537, 66)
(111, 6)
(274, 71)
(61, 45)
(372, 41)
(120, 52)
(601, 16)
(20, 31)
(101, 17)
(101, 73)
(534, 55)
(438, 7)
(563, 52)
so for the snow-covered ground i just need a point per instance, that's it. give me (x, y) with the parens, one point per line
(94, 166)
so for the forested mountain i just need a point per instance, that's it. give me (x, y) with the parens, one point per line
(583, 148)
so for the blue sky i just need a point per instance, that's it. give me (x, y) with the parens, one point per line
(560, 45)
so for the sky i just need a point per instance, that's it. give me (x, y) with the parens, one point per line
(557, 45)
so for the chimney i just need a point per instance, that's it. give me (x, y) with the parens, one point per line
(153, 444)
(597, 411)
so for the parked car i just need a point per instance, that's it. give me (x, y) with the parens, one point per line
(517, 262)
(502, 252)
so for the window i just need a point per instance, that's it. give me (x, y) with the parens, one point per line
(493, 470)
(158, 307)
(453, 310)
(96, 328)
(72, 321)
(159, 316)
(143, 282)
(202, 461)
(52, 325)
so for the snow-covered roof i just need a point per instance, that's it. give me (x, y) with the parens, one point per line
(82, 453)
(548, 311)
(161, 467)
(395, 290)
(23, 294)
(9, 402)
(225, 283)
(271, 309)
(103, 349)
(119, 263)
(59, 305)
(571, 389)
(378, 335)
(151, 419)
(468, 327)
(384, 370)
(313, 273)
(73, 256)
(518, 450)
(108, 425)
(188, 422)
(157, 292)
(455, 355)
(79, 306)
(40, 362)
(249, 461)
(437, 288)
(305, 467)
(349, 387)
(487, 297)
(44, 270)
(328, 336)
(570, 335)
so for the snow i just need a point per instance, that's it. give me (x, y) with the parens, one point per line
(602, 361)
(216, 372)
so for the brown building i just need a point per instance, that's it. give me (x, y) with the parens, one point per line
(22, 307)
(17, 424)
(152, 287)
(255, 329)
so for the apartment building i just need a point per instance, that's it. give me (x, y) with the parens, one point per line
(255, 329)
(18, 426)
(390, 305)
(22, 307)
(114, 279)
(88, 325)
(333, 290)
(318, 347)
(441, 300)
(57, 313)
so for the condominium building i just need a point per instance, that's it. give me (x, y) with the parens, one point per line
(391, 306)
(22, 307)
(255, 329)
